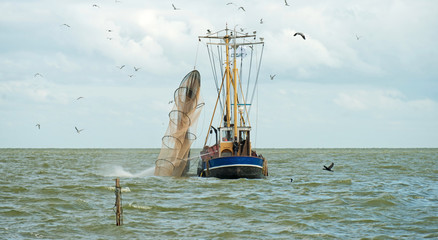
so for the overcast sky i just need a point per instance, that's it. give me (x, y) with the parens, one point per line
(330, 90)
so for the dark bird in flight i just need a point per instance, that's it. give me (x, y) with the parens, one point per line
(78, 130)
(136, 69)
(109, 38)
(285, 3)
(131, 76)
(358, 37)
(174, 8)
(38, 125)
(230, 3)
(261, 20)
(95, 5)
(121, 66)
(329, 168)
(171, 101)
(241, 8)
(37, 74)
(272, 76)
(208, 31)
(302, 35)
(65, 24)
(79, 98)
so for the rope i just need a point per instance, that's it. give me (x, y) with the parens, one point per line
(257, 77)
(196, 56)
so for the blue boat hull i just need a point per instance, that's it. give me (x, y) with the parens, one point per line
(232, 167)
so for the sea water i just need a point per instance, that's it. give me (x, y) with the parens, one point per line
(69, 194)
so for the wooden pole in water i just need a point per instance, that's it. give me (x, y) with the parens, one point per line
(118, 204)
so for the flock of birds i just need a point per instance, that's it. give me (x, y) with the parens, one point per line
(239, 8)
(136, 69)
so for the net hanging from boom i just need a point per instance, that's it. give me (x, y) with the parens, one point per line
(181, 132)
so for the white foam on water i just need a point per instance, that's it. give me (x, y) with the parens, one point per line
(119, 171)
(124, 189)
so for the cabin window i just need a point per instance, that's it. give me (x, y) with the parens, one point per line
(226, 135)
(243, 135)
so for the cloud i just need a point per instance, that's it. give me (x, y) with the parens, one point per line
(382, 100)
(385, 80)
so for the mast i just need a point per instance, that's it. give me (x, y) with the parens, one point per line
(228, 74)
(235, 88)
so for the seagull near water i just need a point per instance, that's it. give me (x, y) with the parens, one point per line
(38, 125)
(241, 8)
(272, 76)
(37, 74)
(300, 34)
(65, 24)
(79, 98)
(79, 130)
(358, 37)
(329, 168)
(285, 3)
(121, 66)
(136, 69)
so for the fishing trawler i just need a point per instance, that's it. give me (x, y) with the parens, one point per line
(230, 155)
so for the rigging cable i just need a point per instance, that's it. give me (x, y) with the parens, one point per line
(196, 56)
(257, 76)
(249, 72)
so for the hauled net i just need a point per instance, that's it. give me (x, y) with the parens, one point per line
(180, 134)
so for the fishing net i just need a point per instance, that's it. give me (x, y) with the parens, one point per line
(180, 134)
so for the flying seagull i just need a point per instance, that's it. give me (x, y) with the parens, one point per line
(302, 35)
(95, 5)
(285, 3)
(78, 130)
(37, 74)
(121, 66)
(241, 8)
(358, 37)
(136, 69)
(131, 76)
(174, 8)
(79, 98)
(38, 125)
(230, 3)
(109, 38)
(261, 20)
(171, 101)
(272, 76)
(65, 24)
(329, 168)
(208, 31)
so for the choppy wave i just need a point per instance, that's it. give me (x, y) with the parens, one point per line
(69, 193)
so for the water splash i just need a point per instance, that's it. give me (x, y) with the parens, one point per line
(119, 171)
